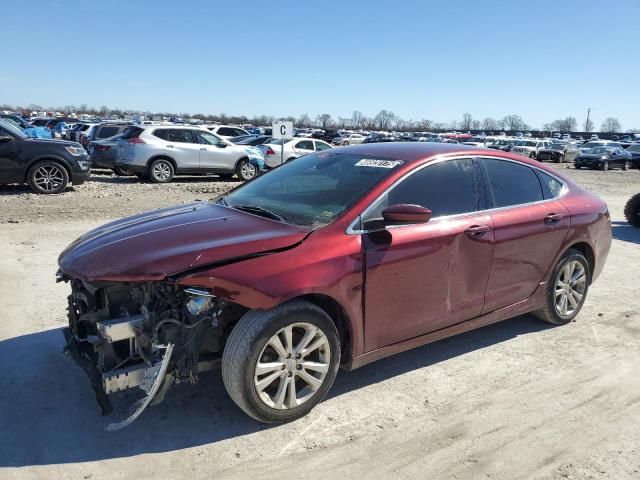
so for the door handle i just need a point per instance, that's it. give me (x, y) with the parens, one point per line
(477, 231)
(203, 149)
(553, 218)
(169, 146)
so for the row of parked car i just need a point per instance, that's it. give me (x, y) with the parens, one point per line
(158, 151)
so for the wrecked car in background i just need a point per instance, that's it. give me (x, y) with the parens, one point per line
(275, 281)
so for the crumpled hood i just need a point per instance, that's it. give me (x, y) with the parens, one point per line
(161, 243)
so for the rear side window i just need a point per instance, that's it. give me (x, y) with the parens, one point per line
(305, 145)
(512, 183)
(227, 132)
(551, 187)
(132, 132)
(322, 146)
(106, 132)
(446, 188)
(174, 135)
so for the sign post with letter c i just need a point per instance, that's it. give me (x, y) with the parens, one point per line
(283, 131)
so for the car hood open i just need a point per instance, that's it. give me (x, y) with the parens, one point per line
(162, 243)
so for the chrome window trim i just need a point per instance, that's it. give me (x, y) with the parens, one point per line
(351, 229)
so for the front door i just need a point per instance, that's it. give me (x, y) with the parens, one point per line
(10, 168)
(421, 278)
(213, 153)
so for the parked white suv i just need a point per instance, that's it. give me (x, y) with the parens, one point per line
(159, 152)
(530, 148)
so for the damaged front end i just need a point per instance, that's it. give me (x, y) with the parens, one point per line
(144, 335)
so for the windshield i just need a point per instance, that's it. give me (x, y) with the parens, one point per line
(600, 151)
(315, 189)
(504, 142)
(592, 144)
(557, 146)
(11, 128)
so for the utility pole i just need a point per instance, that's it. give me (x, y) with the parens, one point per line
(586, 124)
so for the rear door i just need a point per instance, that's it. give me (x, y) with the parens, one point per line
(10, 168)
(182, 146)
(529, 225)
(303, 147)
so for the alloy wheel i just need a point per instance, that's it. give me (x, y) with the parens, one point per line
(48, 177)
(570, 287)
(162, 171)
(248, 170)
(292, 366)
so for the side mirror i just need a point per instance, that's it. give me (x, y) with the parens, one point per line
(5, 138)
(405, 214)
(221, 145)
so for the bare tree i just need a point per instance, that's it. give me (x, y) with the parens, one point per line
(588, 125)
(611, 125)
(384, 119)
(424, 124)
(467, 120)
(356, 119)
(513, 123)
(304, 120)
(324, 120)
(490, 124)
(476, 125)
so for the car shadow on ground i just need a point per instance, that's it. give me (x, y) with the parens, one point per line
(129, 179)
(22, 190)
(49, 415)
(625, 232)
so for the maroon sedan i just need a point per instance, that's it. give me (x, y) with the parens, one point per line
(338, 258)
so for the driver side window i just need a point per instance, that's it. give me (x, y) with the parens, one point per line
(207, 138)
(449, 187)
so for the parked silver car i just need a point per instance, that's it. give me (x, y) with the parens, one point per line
(159, 152)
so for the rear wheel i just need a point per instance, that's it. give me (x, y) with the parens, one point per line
(632, 210)
(161, 171)
(345, 143)
(566, 290)
(278, 364)
(246, 170)
(48, 177)
(532, 155)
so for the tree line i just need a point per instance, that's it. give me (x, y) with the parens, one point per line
(383, 120)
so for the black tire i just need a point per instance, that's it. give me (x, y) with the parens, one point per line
(605, 166)
(161, 170)
(532, 155)
(48, 177)
(549, 313)
(577, 167)
(626, 165)
(345, 143)
(122, 171)
(560, 159)
(247, 341)
(225, 176)
(245, 170)
(632, 210)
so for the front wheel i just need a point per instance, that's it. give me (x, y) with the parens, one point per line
(345, 143)
(48, 177)
(626, 165)
(278, 364)
(246, 170)
(632, 210)
(605, 166)
(532, 155)
(566, 290)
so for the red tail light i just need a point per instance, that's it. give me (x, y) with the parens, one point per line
(133, 141)
(102, 148)
(270, 151)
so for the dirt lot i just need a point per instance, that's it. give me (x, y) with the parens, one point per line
(514, 400)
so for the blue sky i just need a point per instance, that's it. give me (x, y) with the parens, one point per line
(541, 59)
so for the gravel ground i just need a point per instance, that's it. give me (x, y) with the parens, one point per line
(515, 400)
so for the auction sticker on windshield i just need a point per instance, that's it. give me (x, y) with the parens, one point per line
(366, 162)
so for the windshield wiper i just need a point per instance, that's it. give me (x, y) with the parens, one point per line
(260, 211)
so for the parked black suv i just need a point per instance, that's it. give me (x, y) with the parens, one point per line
(46, 165)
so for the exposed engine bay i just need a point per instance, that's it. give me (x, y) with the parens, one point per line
(144, 335)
